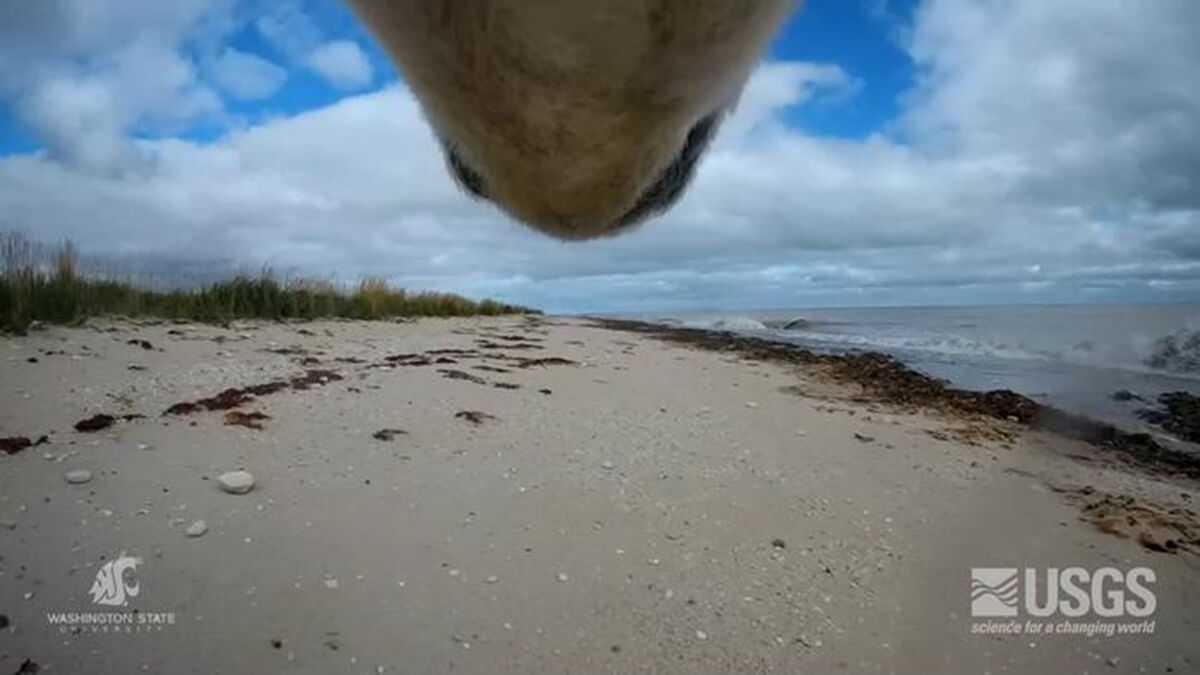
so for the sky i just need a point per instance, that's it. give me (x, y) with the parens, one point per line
(884, 152)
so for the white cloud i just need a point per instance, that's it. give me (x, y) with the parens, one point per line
(343, 64)
(1045, 154)
(246, 76)
(290, 29)
(84, 74)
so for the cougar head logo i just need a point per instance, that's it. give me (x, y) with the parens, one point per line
(111, 586)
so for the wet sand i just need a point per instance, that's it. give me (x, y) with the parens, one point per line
(542, 495)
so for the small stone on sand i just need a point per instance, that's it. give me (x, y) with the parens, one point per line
(607, 465)
(197, 529)
(701, 635)
(78, 476)
(562, 576)
(236, 482)
(751, 404)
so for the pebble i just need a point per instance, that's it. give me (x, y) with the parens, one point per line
(236, 482)
(608, 465)
(145, 446)
(8, 524)
(197, 529)
(562, 576)
(492, 579)
(701, 635)
(29, 595)
(331, 584)
(78, 476)
(751, 404)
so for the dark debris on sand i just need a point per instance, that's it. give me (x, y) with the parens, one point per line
(1165, 529)
(486, 344)
(510, 338)
(450, 374)
(549, 361)
(388, 434)
(886, 380)
(408, 360)
(250, 420)
(144, 344)
(452, 352)
(102, 421)
(95, 423)
(474, 416)
(234, 396)
(14, 444)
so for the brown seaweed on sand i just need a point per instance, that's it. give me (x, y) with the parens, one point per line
(474, 416)
(460, 375)
(95, 423)
(549, 361)
(250, 420)
(15, 444)
(1165, 529)
(388, 434)
(234, 396)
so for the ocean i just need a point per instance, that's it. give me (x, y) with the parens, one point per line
(1074, 357)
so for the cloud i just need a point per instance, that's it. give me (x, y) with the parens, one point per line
(290, 29)
(246, 76)
(1043, 154)
(343, 64)
(84, 74)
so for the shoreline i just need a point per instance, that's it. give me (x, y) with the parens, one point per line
(886, 379)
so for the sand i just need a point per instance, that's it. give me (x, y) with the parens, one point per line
(622, 505)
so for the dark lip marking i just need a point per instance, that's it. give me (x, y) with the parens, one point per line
(674, 179)
(466, 176)
(658, 197)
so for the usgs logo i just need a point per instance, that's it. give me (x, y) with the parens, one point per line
(1070, 592)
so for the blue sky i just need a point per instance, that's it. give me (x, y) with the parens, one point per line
(884, 152)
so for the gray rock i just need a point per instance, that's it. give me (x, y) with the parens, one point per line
(236, 482)
(197, 529)
(78, 476)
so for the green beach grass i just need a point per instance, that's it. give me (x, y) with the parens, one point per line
(48, 287)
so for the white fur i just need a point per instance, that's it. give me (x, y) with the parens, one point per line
(568, 110)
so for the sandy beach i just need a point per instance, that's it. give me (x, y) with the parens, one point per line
(539, 495)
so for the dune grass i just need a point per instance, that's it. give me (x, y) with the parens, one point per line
(48, 287)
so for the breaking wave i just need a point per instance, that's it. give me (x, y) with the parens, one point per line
(1177, 353)
(734, 323)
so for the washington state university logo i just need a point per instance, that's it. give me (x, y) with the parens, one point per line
(111, 586)
(994, 591)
